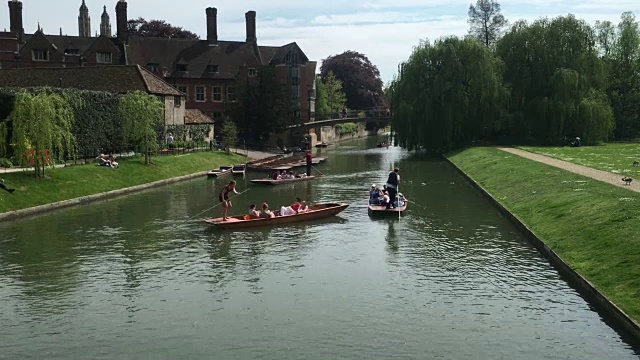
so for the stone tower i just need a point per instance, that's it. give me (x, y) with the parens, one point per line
(105, 24)
(84, 21)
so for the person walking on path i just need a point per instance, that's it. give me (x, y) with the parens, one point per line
(392, 186)
(309, 158)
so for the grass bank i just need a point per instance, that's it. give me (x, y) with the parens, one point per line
(593, 226)
(613, 157)
(76, 181)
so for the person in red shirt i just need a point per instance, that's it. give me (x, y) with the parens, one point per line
(296, 206)
(309, 158)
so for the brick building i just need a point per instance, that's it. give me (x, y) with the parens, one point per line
(206, 70)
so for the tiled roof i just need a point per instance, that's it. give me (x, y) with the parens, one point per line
(115, 79)
(198, 54)
(193, 116)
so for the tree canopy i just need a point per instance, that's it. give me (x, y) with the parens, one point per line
(360, 79)
(486, 21)
(263, 105)
(158, 28)
(142, 115)
(330, 97)
(447, 95)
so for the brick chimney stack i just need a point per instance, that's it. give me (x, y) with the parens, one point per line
(212, 26)
(15, 18)
(250, 16)
(121, 21)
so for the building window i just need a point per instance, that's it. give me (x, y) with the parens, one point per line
(181, 67)
(40, 55)
(231, 93)
(212, 69)
(200, 93)
(253, 72)
(217, 93)
(177, 101)
(72, 52)
(103, 57)
(154, 67)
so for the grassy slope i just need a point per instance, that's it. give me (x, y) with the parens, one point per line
(617, 158)
(76, 181)
(592, 225)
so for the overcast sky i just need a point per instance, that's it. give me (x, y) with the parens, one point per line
(384, 30)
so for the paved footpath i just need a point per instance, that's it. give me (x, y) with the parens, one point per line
(604, 176)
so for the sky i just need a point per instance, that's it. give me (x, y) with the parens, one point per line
(384, 30)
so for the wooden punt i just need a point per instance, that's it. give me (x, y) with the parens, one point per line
(239, 169)
(382, 209)
(223, 170)
(282, 182)
(318, 211)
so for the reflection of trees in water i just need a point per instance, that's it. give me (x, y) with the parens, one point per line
(391, 238)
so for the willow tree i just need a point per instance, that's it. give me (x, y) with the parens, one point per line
(142, 115)
(556, 77)
(42, 128)
(447, 95)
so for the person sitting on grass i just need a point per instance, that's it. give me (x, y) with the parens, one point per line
(4, 187)
(112, 161)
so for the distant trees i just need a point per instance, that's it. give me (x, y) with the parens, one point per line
(447, 95)
(486, 21)
(263, 105)
(41, 127)
(330, 98)
(142, 115)
(157, 28)
(360, 79)
(229, 132)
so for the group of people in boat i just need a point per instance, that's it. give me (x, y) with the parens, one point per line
(286, 175)
(300, 206)
(388, 195)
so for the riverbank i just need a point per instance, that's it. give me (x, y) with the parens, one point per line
(590, 225)
(75, 182)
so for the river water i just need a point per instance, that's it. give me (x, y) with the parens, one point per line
(133, 278)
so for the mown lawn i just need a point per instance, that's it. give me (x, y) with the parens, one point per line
(81, 180)
(614, 157)
(592, 225)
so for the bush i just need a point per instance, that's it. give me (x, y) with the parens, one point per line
(5, 163)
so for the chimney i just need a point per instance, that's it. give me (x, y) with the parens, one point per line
(212, 26)
(250, 16)
(121, 21)
(15, 18)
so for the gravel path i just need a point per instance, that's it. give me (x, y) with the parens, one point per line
(604, 176)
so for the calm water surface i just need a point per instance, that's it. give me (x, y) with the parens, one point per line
(132, 278)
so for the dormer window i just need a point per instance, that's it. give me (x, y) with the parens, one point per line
(181, 67)
(253, 72)
(212, 69)
(154, 67)
(72, 52)
(40, 55)
(103, 58)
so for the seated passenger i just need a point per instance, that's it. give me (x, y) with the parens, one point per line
(286, 211)
(253, 213)
(373, 191)
(265, 212)
(385, 200)
(112, 161)
(303, 207)
(296, 205)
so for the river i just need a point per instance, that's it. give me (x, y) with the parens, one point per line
(134, 278)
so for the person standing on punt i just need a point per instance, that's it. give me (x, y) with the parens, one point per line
(224, 197)
(392, 186)
(309, 158)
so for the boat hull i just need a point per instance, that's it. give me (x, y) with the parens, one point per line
(282, 182)
(383, 211)
(239, 169)
(224, 170)
(318, 211)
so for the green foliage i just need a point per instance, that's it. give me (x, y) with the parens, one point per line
(230, 134)
(5, 163)
(555, 76)
(198, 133)
(447, 95)
(347, 128)
(142, 115)
(179, 132)
(336, 98)
(322, 106)
(42, 122)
